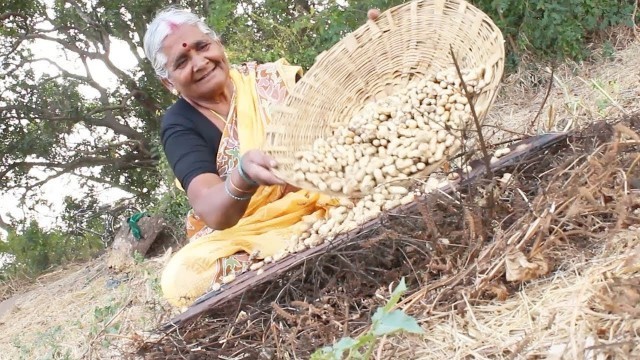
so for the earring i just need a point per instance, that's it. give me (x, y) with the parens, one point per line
(174, 92)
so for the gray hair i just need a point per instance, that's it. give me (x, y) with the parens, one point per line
(161, 26)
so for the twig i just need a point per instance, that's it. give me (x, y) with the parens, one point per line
(546, 97)
(483, 145)
(381, 347)
(633, 19)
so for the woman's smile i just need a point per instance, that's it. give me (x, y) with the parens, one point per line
(197, 65)
(207, 74)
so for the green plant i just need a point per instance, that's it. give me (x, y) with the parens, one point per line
(384, 322)
(47, 342)
(51, 340)
(608, 50)
(608, 90)
(33, 250)
(171, 202)
(138, 258)
(154, 283)
(102, 316)
(555, 29)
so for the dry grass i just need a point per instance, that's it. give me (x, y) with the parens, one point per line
(580, 94)
(590, 310)
(83, 312)
(560, 282)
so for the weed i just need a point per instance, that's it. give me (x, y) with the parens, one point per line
(384, 322)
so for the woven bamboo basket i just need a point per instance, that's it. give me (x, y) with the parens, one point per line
(405, 43)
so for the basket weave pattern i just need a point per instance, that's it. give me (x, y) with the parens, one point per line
(405, 43)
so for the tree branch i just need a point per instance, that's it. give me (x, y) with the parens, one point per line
(64, 72)
(101, 180)
(9, 14)
(104, 36)
(4, 225)
(86, 161)
(109, 121)
(66, 44)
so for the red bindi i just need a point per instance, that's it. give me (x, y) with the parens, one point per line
(184, 45)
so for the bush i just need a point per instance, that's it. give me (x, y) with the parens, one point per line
(300, 30)
(556, 29)
(34, 250)
(172, 203)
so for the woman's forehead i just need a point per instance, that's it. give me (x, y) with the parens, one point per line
(186, 32)
(176, 42)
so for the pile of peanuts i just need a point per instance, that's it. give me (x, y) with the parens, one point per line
(388, 140)
(392, 138)
(339, 219)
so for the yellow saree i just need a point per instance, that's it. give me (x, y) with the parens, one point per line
(273, 216)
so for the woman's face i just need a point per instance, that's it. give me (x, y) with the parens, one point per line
(196, 63)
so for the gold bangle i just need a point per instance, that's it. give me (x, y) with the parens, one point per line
(237, 188)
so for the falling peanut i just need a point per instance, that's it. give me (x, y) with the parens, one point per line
(392, 138)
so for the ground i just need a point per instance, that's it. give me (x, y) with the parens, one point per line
(549, 271)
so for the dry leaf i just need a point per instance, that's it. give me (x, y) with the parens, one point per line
(500, 291)
(519, 268)
(632, 262)
(621, 296)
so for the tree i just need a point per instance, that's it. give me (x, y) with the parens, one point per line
(295, 29)
(65, 121)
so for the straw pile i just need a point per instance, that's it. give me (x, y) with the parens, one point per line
(580, 93)
(580, 239)
(590, 310)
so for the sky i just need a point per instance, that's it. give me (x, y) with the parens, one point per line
(55, 190)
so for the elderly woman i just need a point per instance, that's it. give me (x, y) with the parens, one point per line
(211, 135)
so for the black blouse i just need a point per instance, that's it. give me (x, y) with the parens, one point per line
(190, 141)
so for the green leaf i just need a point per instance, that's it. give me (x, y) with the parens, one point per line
(391, 322)
(343, 345)
(336, 351)
(396, 295)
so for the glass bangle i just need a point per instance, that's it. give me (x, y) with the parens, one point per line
(243, 175)
(237, 198)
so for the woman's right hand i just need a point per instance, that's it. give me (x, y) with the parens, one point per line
(373, 14)
(258, 167)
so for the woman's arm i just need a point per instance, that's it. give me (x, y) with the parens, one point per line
(221, 204)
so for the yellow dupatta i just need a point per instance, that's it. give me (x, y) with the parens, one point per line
(268, 225)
